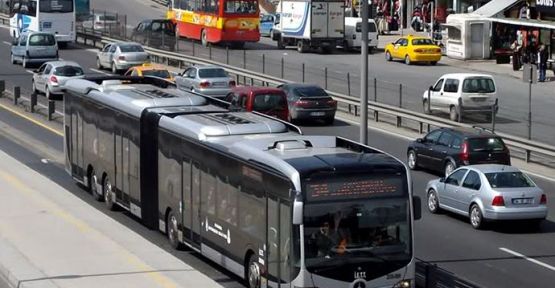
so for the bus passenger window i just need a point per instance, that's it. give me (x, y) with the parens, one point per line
(208, 187)
(227, 202)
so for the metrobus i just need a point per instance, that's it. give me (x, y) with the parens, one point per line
(54, 16)
(216, 21)
(247, 191)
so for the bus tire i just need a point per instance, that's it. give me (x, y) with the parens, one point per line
(203, 39)
(108, 194)
(172, 231)
(253, 276)
(93, 180)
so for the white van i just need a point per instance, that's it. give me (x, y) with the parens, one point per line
(353, 35)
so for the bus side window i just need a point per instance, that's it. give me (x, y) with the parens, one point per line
(227, 201)
(208, 192)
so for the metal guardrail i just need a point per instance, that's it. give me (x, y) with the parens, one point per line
(351, 104)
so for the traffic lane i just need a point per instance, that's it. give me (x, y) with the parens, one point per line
(37, 159)
(452, 243)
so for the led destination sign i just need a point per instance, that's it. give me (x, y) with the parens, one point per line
(354, 188)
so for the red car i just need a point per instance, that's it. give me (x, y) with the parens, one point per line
(267, 100)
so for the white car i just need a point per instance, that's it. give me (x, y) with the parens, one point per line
(353, 34)
(476, 93)
(51, 76)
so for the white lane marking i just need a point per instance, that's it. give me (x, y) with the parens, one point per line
(527, 258)
(7, 43)
(92, 50)
(99, 71)
(355, 123)
(45, 161)
(29, 71)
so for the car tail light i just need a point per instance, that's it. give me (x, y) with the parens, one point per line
(232, 83)
(418, 50)
(498, 201)
(463, 156)
(332, 103)
(301, 103)
(438, 50)
(53, 79)
(204, 84)
(121, 57)
(543, 200)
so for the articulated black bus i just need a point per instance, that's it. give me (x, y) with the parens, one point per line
(276, 207)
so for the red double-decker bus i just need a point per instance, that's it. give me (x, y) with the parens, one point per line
(216, 21)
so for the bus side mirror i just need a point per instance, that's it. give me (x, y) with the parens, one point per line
(298, 209)
(417, 207)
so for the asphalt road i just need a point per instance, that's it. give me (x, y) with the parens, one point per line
(513, 94)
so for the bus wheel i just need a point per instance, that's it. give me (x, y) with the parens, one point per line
(108, 198)
(172, 231)
(253, 273)
(203, 39)
(93, 180)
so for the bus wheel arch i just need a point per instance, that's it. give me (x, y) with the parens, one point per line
(252, 270)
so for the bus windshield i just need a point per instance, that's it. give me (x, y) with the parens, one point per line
(56, 6)
(370, 232)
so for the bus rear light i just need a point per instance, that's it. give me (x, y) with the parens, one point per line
(204, 84)
(498, 201)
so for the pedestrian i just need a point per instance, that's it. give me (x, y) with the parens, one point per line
(542, 62)
(516, 55)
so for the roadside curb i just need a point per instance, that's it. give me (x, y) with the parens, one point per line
(22, 274)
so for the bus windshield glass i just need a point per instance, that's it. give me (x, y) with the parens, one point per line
(241, 7)
(56, 6)
(372, 233)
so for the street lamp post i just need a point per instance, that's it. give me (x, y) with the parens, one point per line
(364, 75)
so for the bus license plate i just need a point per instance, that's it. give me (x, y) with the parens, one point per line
(521, 201)
(317, 113)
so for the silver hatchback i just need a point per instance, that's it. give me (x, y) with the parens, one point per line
(121, 56)
(34, 48)
(488, 192)
(208, 80)
(51, 76)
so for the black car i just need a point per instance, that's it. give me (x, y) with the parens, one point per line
(309, 102)
(156, 33)
(446, 149)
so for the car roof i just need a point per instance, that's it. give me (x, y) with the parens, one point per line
(492, 168)
(63, 63)
(470, 132)
(465, 75)
(244, 89)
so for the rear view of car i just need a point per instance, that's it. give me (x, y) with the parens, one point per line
(267, 100)
(158, 33)
(128, 55)
(478, 94)
(309, 102)
(353, 33)
(208, 80)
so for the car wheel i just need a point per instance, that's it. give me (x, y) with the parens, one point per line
(412, 160)
(253, 273)
(271, 34)
(388, 56)
(12, 59)
(193, 89)
(98, 64)
(476, 218)
(172, 231)
(107, 191)
(203, 38)
(301, 47)
(433, 202)
(24, 63)
(114, 68)
(407, 60)
(48, 94)
(449, 167)
(453, 115)
(433, 63)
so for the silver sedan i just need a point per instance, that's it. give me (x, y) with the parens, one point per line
(488, 192)
(121, 56)
(51, 76)
(208, 80)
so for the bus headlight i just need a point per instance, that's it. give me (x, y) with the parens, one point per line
(403, 284)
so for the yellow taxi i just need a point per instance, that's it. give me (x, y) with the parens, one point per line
(148, 69)
(413, 49)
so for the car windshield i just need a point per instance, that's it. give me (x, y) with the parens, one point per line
(131, 48)
(422, 41)
(509, 180)
(486, 144)
(212, 73)
(42, 40)
(478, 85)
(68, 71)
(269, 101)
(311, 91)
(161, 73)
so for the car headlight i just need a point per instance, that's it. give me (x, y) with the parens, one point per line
(407, 283)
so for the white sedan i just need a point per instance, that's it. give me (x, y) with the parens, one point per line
(51, 76)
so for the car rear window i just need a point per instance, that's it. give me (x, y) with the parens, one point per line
(131, 48)
(371, 27)
(311, 91)
(264, 102)
(478, 85)
(42, 40)
(107, 18)
(423, 41)
(486, 144)
(509, 180)
(68, 71)
(157, 73)
(212, 73)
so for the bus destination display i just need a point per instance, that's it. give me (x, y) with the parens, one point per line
(354, 188)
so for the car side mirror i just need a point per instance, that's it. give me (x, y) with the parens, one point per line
(417, 207)
(442, 179)
(431, 88)
(419, 140)
(36, 71)
(15, 41)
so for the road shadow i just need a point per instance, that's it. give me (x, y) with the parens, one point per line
(478, 119)
(320, 123)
